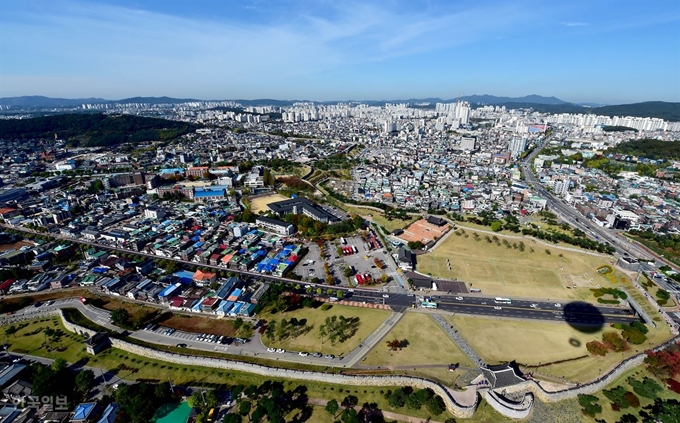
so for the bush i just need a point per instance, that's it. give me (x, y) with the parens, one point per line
(326, 307)
(639, 326)
(673, 385)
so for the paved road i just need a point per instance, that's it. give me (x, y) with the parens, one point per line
(574, 218)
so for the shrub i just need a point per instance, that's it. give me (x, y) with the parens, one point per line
(326, 307)
(634, 336)
(637, 325)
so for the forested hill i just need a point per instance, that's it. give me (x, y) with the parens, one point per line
(650, 148)
(93, 130)
(657, 109)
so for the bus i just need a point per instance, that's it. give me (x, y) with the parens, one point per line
(499, 300)
(428, 304)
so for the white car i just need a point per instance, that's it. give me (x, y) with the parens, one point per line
(386, 296)
(271, 350)
(350, 290)
(497, 308)
(558, 305)
(280, 350)
(303, 354)
(534, 306)
(459, 298)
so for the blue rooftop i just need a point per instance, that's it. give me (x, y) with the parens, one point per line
(83, 411)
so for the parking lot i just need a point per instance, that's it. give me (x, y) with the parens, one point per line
(363, 260)
(187, 339)
(311, 265)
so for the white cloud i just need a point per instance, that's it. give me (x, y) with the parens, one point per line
(575, 24)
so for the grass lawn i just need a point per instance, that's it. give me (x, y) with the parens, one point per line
(610, 415)
(531, 343)
(310, 341)
(31, 340)
(502, 271)
(427, 344)
(652, 288)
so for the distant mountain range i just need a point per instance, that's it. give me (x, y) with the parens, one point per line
(658, 109)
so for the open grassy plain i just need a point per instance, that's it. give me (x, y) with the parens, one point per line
(427, 344)
(536, 343)
(311, 341)
(505, 270)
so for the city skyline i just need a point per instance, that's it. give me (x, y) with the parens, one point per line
(579, 52)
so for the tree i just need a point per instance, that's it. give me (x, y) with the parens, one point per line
(589, 404)
(496, 226)
(232, 418)
(628, 418)
(547, 251)
(617, 396)
(614, 341)
(59, 365)
(332, 407)
(120, 317)
(394, 344)
(596, 348)
(84, 381)
(435, 405)
(647, 388)
(350, 401)
(244, 408)
(665, 411)
(12, 330)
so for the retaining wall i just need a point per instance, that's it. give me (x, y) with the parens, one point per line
(397, 381)
(507, 408)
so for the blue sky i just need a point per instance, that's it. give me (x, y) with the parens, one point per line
(607, 51)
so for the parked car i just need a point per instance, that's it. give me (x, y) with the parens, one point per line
(303, 354)
(280, 351)
(181, 345)
(330, 356)
(271, 350)
(317, 355)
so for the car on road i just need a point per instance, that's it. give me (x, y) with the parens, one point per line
(534, 306)
(271, 350)
(497, 308)
(409, 295)
(350, 290)
(280, 350)
(38, 304)
(83, 300)
(50, 302)
(459, 298)
(303, 354)
(317, 355)
(181, 345)
(330, 356)
(484, 302)
(558, 305)
(386, 295)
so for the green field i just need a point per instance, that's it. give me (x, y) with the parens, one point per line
(427, 344)
(311, 341)
(503, 271)
(534, 343)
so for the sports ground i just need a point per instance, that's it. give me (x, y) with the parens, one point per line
(259, 204)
